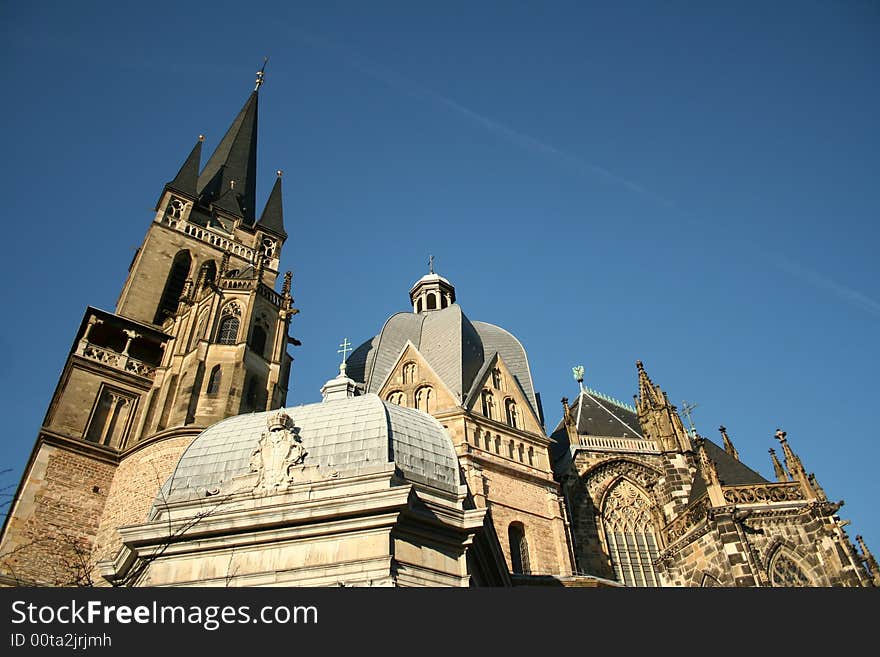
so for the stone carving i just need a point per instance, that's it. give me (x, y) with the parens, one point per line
(280, 449)
(692, 515)
(603, 474)
(762, 493)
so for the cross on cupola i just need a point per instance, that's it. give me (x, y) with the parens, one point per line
(431, 291)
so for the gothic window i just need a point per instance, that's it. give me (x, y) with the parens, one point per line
(208, 272)
(630, 534)
(512, 413)
(409, 373)
(425, 399)
(174, 209)
(228, 331)
(397, 397)
(531, 456)
(173, 286)
(520, 452)
(784, 571)
(268, 247)
(214, 381)
(109, 418)
(510, 449)
(496, 379)
(519, 549)
(258, 339)
(488, 404)
(488, 438)
(497, 444)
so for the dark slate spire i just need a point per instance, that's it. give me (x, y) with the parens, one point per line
(229, 177)
(272, 218)
(186, 179)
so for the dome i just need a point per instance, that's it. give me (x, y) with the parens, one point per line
(340, 437)
(456, 348)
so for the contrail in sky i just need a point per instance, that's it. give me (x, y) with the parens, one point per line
(574, 162)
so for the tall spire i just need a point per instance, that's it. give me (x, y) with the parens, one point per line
(272, 218)
(187, 178)
(229, 178)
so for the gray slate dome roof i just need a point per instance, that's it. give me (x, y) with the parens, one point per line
(348, 436)
(454, 346)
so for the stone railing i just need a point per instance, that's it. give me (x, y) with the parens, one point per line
(209, 236)
(237, 283)
(606, 443)
(270, 295)
(760, 493)
(115, 360)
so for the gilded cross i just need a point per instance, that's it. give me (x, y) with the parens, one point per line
(346, 349)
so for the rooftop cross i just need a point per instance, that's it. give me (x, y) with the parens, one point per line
(430, 264)
(346, 349)
(687, 409)
(260, 74)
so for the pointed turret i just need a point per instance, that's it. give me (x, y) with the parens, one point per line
(187, 178)
(272, 219)
(709, 473)
(659, 418)
(795, 468)
(777, 467)
(229, 178)
(869, 561)
(728, 444)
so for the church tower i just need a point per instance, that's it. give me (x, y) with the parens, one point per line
(199, 333)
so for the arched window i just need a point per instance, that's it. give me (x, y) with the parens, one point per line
(520, 451)
(425, 399)
(409, 373)
(510, 449)
(512, 413)
(519, 549)
(531, 456)
(419, 305)
(258, 339)
(443, 302)
(173, 286)
(432, 302)
(497, 444)
(397, 397)
(630, 534)
(488, 439)
(214, 381)
(488, 404)
(784, 571)
(208, 272)
(228, 331)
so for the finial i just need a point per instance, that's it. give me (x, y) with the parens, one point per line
(260, 74)
(780, 435)
(687, 409)
(431, 264)
(728, 443)
(639, 365)
(201, 137)
(279, 173)
(578, 372)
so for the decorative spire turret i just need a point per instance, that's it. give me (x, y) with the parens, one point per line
(272, 219)
(342, 386)
(728, 444)
(795, 468)
(869, 561)
(659, 419)
(187, 178)
(709, 473)
(777, 467)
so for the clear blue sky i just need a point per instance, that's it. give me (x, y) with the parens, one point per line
(688, 185)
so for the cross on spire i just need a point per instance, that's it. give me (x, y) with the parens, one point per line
(430, 264)
(687, 409)
(346, 349)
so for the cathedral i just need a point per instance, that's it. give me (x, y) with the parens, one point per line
(168, 456)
